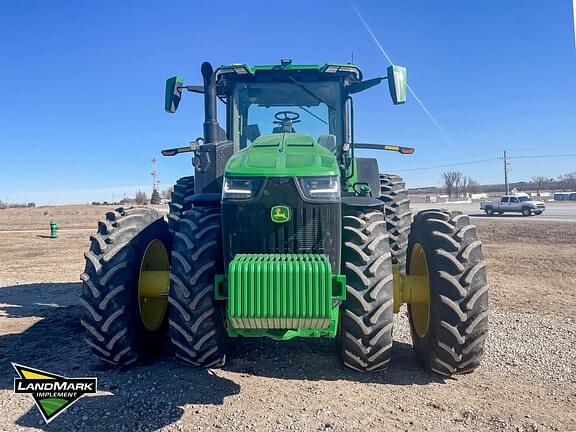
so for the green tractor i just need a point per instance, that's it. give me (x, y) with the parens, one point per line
(285, 232)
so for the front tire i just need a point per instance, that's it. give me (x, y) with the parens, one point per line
(179, 203)
(196, 320)
(449, 331)
(125, 323)
(365, 334)
(526, 212)
(398, 216)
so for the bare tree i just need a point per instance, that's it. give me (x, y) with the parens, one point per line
(448, 178)
(452, 180)
(141, 197)
(155, 197)
(167, 193)
(474, 186)
(568, 181)
(467, 185)
(539, 182)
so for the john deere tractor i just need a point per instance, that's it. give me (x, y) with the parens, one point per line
(284, 231)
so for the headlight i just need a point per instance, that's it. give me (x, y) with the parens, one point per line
(322, 188)
(240, 187)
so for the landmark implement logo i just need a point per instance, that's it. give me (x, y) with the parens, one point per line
(52, 393)
(280, 214)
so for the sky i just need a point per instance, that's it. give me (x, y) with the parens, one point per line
(82, 85)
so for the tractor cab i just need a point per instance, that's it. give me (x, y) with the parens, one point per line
(266, 101)
(288, 98)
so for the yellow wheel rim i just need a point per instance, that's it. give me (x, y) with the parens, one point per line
(420, 311)
(153, 285)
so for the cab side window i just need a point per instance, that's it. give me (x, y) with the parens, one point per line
(514, 200)
(504, 200)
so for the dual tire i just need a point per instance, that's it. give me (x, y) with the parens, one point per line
(126, 315)
(179, 203)
(449, 331)
(397, 215)
(196, 319)
(124, 322)
(364, 340)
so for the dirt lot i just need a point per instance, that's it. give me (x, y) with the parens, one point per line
(527, 381)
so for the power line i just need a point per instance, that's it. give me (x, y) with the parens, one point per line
(574, 16)
(451, 165)
(387, 57)
(455, 164)
(543, 156)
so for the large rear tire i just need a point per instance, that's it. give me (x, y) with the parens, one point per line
(196, 320)
(123, 324)
(183, 189)
(449, 330)
(398, 216)
(365, 334)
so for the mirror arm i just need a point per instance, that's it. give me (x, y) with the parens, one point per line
(220, 90)
(193, 147)
(359, 86)
(194, 88)
(388, 147)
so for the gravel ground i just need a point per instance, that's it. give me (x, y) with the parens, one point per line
(527, 381)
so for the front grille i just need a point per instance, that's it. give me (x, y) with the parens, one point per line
(301, 234)
(313, 227)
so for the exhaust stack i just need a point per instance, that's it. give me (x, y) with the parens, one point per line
(210, 116)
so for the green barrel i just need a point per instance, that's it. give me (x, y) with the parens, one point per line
(53, 229)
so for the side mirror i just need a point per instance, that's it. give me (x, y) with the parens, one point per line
(397, 84)
(173, 93)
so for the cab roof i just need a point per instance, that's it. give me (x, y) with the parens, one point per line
(286, 67)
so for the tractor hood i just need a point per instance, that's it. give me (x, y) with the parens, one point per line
(283, 154)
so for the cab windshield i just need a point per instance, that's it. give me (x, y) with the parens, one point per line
(311, 108)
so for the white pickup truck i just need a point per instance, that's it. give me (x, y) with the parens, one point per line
(513, 203)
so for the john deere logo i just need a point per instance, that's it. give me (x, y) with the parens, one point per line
(280, 214)
(53, 394)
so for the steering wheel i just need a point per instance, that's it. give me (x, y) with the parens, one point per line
(286, 118)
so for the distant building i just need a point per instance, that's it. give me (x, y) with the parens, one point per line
(564, 196)
(478, 196)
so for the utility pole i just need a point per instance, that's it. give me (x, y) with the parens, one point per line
(506, 167)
